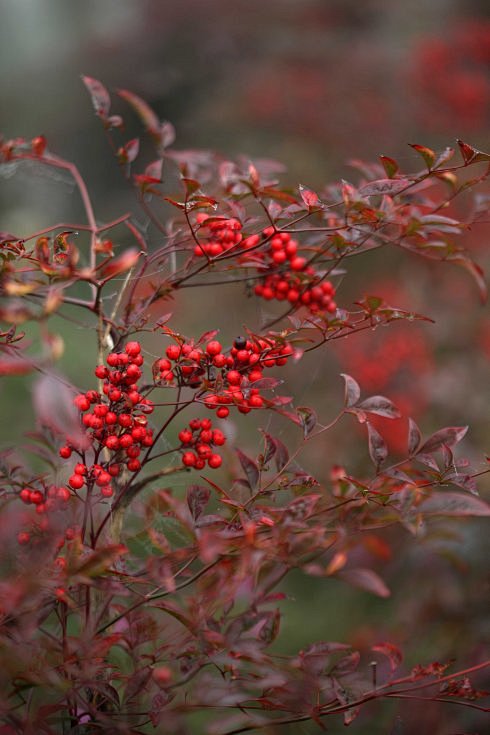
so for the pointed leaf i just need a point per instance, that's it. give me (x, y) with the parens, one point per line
(308, 419)
(250, 468)
(389, 187)
(381, 406)
(100, 96)
(309, 197)
(455, 504)
(414, 437)
(389, 165)
(197, 499)
(471, 154)
(147, 116)
(378, 451)
(366, 580)
(392, 653)
(427, 154)
(352, 391)
(451, 435)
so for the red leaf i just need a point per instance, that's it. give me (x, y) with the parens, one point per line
(393, 653)
(309, 197)
(100, 96)
(366, 580)
(118, 265)
(471, 154)
(308, 419)
(154, 170)
(128, 152)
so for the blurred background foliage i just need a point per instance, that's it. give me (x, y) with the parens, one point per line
(314, 84)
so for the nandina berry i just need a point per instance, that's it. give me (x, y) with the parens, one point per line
(23, 538)
(76, 482)
(112, 442)
(218, 438)
(132, 349)
(82, 402)
(80, 469)
(133, 465)
(106, 491)
(133, 452)
(185, 436)
(103, 478)
(173, 352)
(36, 497)
(189, 459)
(223, 412)
(213, 347)
(255, 402)
(298, 263)
(220, 360)
(195, 424)
(134, 397)
(115, 395)
(125, 441)
(214, 461)
(206, 424)
(112, 359)
(133, 372)
(101, 372)
(125, 420)
(25, 495)
(113, 470)
(65, 452)
(64, 494)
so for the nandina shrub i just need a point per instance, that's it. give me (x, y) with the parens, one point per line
(129, 601)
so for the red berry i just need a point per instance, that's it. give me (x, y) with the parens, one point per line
(25, 495)
(189, 459)
(213, 347)
(298, 263)
(65, 452)
(106, 491)
(185, 436)
(101, 372)
(173, 352)
(103, 478)
(80, 469)
(112, 442)
(125, 441)
(23, 538)
(215, 461)
(81, 402)
(222, 412)
(76, 482)
(132, 349)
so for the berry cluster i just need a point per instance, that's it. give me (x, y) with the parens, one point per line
(196, 442)
(221, 235)
(229, 379)
(296, 282)
(116, 422)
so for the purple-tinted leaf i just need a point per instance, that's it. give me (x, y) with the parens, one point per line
(147, 116)
(378, 451)
(270, 448)
(347, 664)
(100, 96)
(250, 468)
(267, 383)
(389, 187)
(381, 406)
(392, 653)
(53, 402)
(414, 437)
(308, 419)
(197, 499)
(366, 580)
(454, 504)
(154, 170)
(451, 435)
(444, 157)
(282, 454)
(300, 508)
(352, 391)
(101, 560)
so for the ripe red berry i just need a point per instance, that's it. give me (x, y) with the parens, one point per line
(213, 347)
(65, 452)
(215, 461)
(107, 491)
(185, 436)
(103, 478)
(132, 349)
(222, 412)
(81, 402)
(76, 482)
(112, 442)
(173, 352)
(189, 459)
(80, 469)
(101, 372)
(23, 538)
(25, 495)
